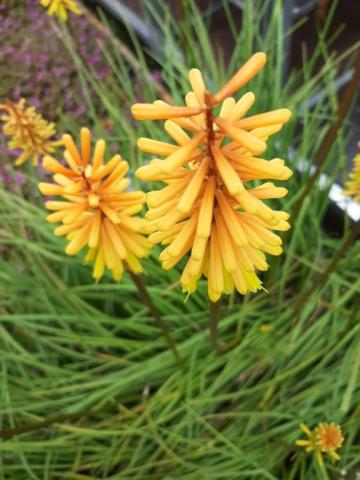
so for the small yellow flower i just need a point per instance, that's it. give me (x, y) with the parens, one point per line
(28, 130)
(353, 185)
(97, 212)
(61, 7)
(207, 207)
(265, 328)
(325, 438)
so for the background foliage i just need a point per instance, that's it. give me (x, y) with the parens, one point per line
(90, 357)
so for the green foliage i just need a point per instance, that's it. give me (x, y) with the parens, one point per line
(92, 358)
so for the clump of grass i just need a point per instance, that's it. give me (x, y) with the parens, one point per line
(89, 388)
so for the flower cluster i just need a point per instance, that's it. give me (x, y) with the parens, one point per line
(353, 185)
(28, 131)
(207, 207)
(96, 211)
(325, 438)
(60, 8)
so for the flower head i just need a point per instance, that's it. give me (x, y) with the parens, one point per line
(96, 211)
(28, 130)
(325, 438)
(353, 185)
(207, 207)
(60, 8)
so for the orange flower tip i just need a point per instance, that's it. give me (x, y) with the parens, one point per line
(88, 171)
(242, 76)
(93, 200)
(69, 251)
(148, 172)
(44, 188)
(85, 131)
(66, 138)
(286, 114)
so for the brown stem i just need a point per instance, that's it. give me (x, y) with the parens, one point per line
(158, 320)
(11, 432)
(213, 321)
(344, 248)
(322, 277)
(345, 103)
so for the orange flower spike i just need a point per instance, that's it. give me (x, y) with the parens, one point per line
(353, 184)
(97, 212)
(206, 209)
(28, 132)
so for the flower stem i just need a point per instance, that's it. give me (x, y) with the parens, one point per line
(321, 156)
(322, 277)
(342, 251)
(344, 106)
(156, 316)
(213, 321)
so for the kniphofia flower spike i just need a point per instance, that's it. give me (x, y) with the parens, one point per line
(353, 185)
(207, 207)
(325, 438)
(96, 211)
(28, 131)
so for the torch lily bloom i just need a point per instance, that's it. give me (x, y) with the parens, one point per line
(210, 207)
(353, 185)
(96, 211)
(28, 130)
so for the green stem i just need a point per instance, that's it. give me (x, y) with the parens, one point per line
(322, 277)
(213, 321)
(11, 432)
(344, 106)
(156, 316)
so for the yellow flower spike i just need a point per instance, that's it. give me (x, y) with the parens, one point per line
(353, 184)
(28, 132)
(206, 209)
(60, 8)
(96, 212)
(325, 438)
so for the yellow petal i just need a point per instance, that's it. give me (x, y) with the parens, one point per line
(95, 230)
(242, 106)
(244, 138)
(228, 173)
(197, 84)
(232, 220)
(193, 188)
(264, 119)
(206, 210)
(50, 189)
(156, 147)
(115, 235)
(99, 151)
(181, 155)
(225, 243)
(72, 148)
(176, 132)
(183, 238)
(150, 111)
(85, 137)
